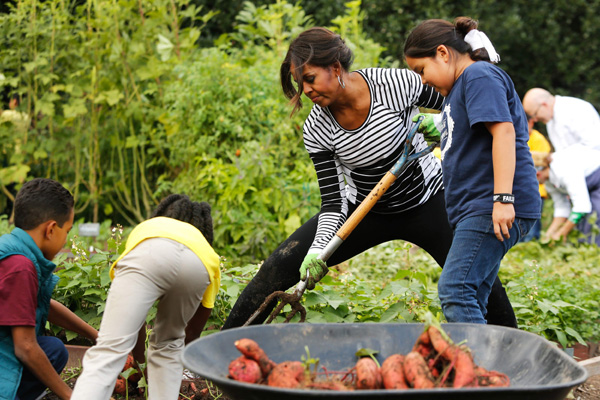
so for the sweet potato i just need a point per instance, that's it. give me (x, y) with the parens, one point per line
(288, 374)
(368, 374)
(392, 372)
(460, 359)
(120, 386)
(423, 345)
(245, 370)
(128, 363)
(416, 372)
(131, 363)
(252, 350)
(491, 378)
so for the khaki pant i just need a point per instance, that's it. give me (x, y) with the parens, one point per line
(157, 269)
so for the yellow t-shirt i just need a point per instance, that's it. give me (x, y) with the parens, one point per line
(538, 142)
(185, 234)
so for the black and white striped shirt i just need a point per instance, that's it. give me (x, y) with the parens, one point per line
(349, 163)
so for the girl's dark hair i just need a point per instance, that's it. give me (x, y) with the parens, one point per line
(428, 35)
(180, 207)
(316, 46)
(41, 200)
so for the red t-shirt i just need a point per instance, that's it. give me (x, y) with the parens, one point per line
(18, 291)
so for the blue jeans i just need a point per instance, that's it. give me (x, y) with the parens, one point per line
(536, 229)
(30, 386)
(472, 265)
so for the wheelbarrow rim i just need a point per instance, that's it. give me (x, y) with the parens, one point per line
(261, 332)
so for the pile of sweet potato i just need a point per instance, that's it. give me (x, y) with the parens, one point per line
(435, 361)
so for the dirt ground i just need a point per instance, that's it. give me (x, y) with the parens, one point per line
(590, 390)
(199, 389)
(191, 389)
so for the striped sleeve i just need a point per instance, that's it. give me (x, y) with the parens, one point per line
(401, 89)
(334, 205)
(349, 163)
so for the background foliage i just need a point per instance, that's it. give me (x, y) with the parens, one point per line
(127, 101)
(541, 44)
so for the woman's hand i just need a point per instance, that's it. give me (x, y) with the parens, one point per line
(503, 217)
(430, 127)
(316, 268)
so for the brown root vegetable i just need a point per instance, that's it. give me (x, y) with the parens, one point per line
(460, 359)
(491, 378)
(416, 371)
(120, 386)
(288, 374)
(423, 345)
(244, 369)
(252, 350)
(129, 363)
(368, 374)
(392, 372)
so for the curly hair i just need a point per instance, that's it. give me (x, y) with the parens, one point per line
(180, 207)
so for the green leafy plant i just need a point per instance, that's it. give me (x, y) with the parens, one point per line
(83, 284)
(311, 365)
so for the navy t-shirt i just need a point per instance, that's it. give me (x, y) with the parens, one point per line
(483, 93)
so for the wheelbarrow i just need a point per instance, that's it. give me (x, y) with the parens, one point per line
(293, 299)
(537, 369)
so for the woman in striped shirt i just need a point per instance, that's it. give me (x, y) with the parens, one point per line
(354, 134)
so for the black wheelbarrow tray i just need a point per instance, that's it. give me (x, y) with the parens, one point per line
(537, 368)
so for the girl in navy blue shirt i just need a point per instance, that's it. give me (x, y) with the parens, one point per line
(489, 177)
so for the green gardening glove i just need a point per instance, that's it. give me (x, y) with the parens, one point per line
(316, 268)
(430, 127)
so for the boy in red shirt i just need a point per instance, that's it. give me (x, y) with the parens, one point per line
(32, 362)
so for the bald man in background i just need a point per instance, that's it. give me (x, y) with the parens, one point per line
(568, 120)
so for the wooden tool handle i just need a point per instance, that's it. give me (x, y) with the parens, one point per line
(379, 190)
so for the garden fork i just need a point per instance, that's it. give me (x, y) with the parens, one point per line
(293, 299)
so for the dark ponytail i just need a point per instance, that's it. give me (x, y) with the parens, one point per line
(180, 207)
(424, 40)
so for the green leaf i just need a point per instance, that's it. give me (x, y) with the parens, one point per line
(110, 97)
(74, 108)
(14, 174)
(576, 335)
(562, 338)
(366, 352)
(313, 298)
(40, 154)
(70, 335)
(164, 47)
(392, 312)
(127, 373)
(333, 299)
(292, 223)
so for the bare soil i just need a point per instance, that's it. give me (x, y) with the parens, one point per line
(191, 389)
(200, 389)
(589, 390)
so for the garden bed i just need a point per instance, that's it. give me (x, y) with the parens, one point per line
(200, 389)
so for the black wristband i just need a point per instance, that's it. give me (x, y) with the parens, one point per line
(505, 198)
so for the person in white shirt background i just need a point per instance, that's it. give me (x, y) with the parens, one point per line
(572, 179)
(568, 120)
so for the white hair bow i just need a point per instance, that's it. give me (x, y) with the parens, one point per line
(478, 40)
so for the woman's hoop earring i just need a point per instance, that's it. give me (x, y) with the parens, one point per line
(341, 82)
